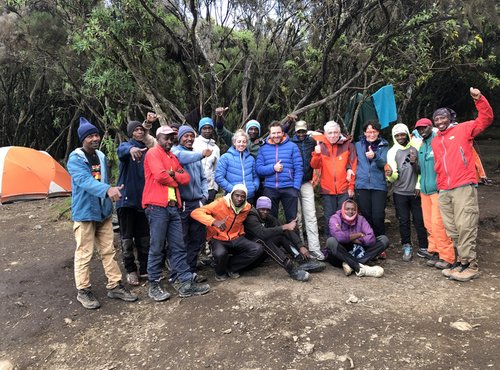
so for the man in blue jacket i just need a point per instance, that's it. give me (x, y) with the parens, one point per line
(279, 161)
(194, 195)
(134, 227)
(91, 212)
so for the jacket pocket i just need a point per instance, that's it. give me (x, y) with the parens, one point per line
(462, 153)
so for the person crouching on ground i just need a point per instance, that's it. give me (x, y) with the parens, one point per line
(261, 226)
(224, 219)
(353, 242)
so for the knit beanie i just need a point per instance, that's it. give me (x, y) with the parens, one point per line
(184, 130)
(85, 129)
(204, 122)
(263, 203)
(442, 112)
(252, 123)
(131, 126)
(400, 128)
(239, 187)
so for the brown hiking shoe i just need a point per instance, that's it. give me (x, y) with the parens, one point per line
(447, 272)
(466, 272)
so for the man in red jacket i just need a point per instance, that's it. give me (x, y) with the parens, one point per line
(161, 200)
(457, 182)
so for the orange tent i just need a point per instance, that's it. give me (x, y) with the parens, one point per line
(27, 174)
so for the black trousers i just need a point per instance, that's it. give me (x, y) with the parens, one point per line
(338, 253)
(372, 206)
(406, 205)
(234, 255)
(194, 233)
(134, 231)
(277, 248)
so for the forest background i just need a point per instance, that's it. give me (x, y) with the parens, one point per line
(113, 61)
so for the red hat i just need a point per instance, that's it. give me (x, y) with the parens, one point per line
(423, 122)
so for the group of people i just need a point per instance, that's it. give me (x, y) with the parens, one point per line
(168, 209)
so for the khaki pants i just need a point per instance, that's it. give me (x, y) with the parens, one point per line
(460, 213)
(100, 234)
(439, 241)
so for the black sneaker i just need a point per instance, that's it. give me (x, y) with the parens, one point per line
(423, 253)
(156, 293)
(312, 266)
(298, 274)
(433, 260)
(190, 288)
(120, 292)
(87, 299)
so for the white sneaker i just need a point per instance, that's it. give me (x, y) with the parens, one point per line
(317, 255)
(372, 271)
(347, 269)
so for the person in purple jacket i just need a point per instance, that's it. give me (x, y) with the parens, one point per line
(353, 242)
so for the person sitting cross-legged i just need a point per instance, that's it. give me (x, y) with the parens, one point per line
(353, 242)
(261, 226)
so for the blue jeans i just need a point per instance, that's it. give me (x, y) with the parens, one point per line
(331, 204)
(165, 224)
(289, 198)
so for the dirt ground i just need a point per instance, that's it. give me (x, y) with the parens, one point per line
(263, 320)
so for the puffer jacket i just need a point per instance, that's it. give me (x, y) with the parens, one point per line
(237, 168)
(370, 174)
(90, 201)
(334, 161)
(289, 155)
(453, 149)
(221, 208)
(306, 148)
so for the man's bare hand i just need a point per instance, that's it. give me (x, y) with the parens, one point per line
(220, 111)
(475, 93)
(305, 253)
(290, 226)
(206, 152)
(151, 117)
(137, 153)
(220, 224)
(114, 192)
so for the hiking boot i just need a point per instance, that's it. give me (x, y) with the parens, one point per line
(298, 274)
(312, 266)
(233, 275)
(433, 260)
(442, 264)
(447, 272)
(87, 299)
(156, 292)
(317, 255)
(190, 288)
(133, 279)
(199, 278)
(423, 253)
(120, 292)
(407, 252)
(466, 272)
(222, 277)
(347, 269)
(371, 271)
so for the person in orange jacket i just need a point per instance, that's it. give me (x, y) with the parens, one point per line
(336, 158)
(224, 218)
